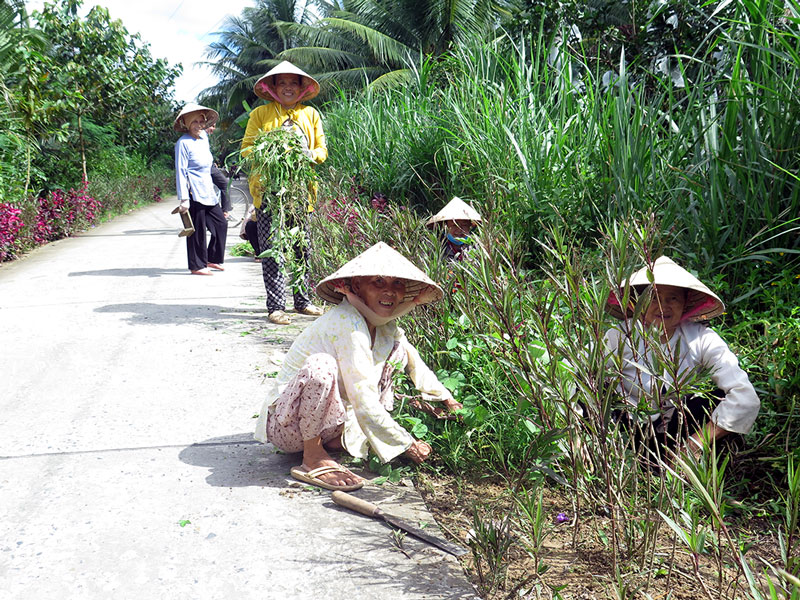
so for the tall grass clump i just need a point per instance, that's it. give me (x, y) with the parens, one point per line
(505, 125)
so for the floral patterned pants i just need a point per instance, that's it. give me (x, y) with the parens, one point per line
(310, 406)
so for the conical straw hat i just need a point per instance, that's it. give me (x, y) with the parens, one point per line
(701, 303)
(210, 114)
(382, 260)
(264, 88)
(455, 210)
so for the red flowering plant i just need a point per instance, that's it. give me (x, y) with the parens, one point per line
(49, 217)
(61, 214)
(10, 226)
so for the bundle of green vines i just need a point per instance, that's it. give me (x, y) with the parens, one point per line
(283, 170)
(285, 175)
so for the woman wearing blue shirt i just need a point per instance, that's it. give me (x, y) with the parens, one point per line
(195, 189)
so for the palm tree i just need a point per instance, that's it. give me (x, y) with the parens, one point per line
(376, 40)
(247, 47)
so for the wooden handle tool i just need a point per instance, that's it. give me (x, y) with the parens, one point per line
(358, 505)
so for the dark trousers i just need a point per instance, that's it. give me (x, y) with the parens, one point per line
(272, 270)
(673, 424)
(221, 183)
(211, 218)
(251, 233)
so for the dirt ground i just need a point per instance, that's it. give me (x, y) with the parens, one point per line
(576, 560)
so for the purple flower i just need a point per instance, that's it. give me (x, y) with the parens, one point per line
(561, 517)
(379, 202)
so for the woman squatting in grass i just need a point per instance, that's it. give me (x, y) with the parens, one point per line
(334, 391)
(458, 218)
(667, 349)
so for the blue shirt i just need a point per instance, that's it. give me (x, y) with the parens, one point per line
(193, 162)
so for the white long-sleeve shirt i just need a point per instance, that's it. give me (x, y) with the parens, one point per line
(193, 162)
(696, 346)
(342, 333)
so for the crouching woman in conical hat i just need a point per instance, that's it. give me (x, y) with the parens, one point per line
(334, 391)
(458, 219)
(678, 306)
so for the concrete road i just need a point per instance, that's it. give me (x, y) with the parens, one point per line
(127, 467)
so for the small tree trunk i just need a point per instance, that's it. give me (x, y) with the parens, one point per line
(27, 170)
(83, 148)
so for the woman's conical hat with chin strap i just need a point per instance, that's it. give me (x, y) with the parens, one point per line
(701, 303)
(210, 114)
(381, 260)
(455, 210)
(264, 88)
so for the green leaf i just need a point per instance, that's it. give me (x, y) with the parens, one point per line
(531, 426)
(603, 537)
(680, 531)
(481, 413)
(395, 476)
(420, 430)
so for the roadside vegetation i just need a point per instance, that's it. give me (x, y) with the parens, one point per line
(593, 137)
(585, 170)
(85, 125)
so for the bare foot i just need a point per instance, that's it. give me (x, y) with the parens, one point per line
(334, 445)
(315, 456)
(337, 478)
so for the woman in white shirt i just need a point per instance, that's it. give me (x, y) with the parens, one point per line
(662, 353)
(334, 391)
(195, 189)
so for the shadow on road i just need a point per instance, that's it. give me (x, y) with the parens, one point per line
(423, 573)
(175, 314)
(170, 231)
(131, 272)
(239, 461)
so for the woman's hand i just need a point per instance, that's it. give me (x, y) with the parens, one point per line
(419, 451)
(448, 412)
(422, 292)
(452, 405)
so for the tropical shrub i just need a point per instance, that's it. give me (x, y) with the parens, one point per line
(10, 226)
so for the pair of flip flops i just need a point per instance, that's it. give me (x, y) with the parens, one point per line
(313, 477)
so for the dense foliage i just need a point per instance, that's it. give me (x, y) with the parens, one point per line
(86, 108)
(582, 178)
(593, 137)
